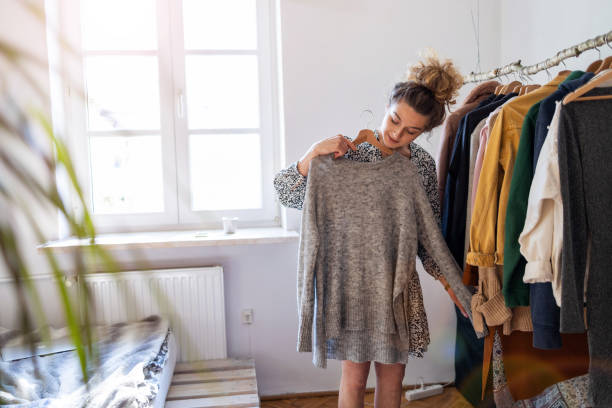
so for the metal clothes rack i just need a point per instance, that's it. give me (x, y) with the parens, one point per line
(523, 71)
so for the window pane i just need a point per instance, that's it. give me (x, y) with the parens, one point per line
(122, 92)
(222, 91)
(126, 174)
(225, 172)
(220, 24)
(119, 24)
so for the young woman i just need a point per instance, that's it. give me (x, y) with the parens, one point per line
(415, 105)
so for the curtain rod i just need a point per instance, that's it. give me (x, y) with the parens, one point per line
(574, 51)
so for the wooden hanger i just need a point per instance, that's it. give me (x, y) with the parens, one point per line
(511, 85)
(367, 135)
(606, 64)
(528, 88)
(596, 80)
(498, 89)
(517, 89)
(594, 66)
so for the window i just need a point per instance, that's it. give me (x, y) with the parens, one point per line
(173, 121)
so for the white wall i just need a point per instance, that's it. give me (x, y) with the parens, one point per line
(548, 27)
(341, 57)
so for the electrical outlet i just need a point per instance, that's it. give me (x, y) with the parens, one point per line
(247, 316)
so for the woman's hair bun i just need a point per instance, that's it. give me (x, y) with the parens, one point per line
(441, 78)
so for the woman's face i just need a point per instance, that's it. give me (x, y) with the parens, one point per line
(401, 125)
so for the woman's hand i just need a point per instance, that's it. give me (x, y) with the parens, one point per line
(338, 145)
(453, 296)
(456, 301)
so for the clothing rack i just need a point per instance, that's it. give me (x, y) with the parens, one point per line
(523, 71)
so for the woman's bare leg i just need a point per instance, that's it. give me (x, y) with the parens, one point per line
(352, 384)
(389, 379)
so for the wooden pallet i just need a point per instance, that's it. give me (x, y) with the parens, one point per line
(214, 384)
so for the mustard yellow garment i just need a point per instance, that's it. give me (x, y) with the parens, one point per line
(489, 213)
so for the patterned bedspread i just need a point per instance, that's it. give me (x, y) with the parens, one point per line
(130, 359)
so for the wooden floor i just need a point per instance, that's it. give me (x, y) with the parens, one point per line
(214, 383)
(232, 383)
(451, 398)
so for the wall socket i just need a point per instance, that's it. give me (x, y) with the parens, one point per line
(247, 316)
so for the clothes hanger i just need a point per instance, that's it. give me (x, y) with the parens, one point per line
(594, 66)
(528, 88)
(523, 89)
(367, 135)
(606, 64)
(600, 78)
(498, 89)
(511, 85)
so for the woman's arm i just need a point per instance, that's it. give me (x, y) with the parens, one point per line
(426, 167)
(431, 237)
(453, 296)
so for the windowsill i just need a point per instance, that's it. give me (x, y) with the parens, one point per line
(178, 239)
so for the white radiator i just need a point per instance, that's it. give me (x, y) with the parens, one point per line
(195, 305)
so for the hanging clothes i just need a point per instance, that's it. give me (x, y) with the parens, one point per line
(474, 143)
(482, 146)
(468, 348)
(542, 237)
(544, 309)
(584, 170)
(486, 230)
(454, 210)
(449, 131)
(516, 292)
(486, 233)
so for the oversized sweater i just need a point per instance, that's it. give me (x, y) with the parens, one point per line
(290, 186)
(359, 295)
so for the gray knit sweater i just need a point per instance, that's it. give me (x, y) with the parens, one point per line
(359, 296)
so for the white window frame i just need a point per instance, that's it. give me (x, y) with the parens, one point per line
(173, 122)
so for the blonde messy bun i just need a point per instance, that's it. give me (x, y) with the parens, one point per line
(430, 87)
(441, 78)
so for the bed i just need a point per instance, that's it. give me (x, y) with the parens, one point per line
(135, 368)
